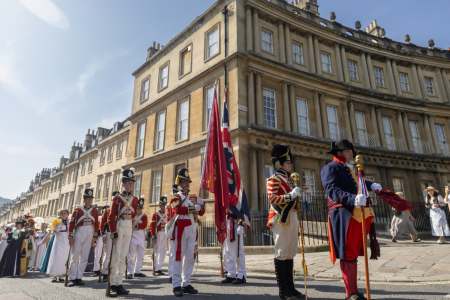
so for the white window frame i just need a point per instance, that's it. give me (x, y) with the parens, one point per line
(353, 70)
(267, 40)
(184, 67)
(379, 77)
(183, 120)
(303, 116)
(137, 186)
(415, 136)
(429, 85)
(160, 131)
(270, 108)
(326, 62)
(297, 53)
(209, 99)
(140, 139)
(212, 41)
(388, 133)
(145, 90)
(398, 185)
(441, 138)
(361, 128)
(333, 125)
(156, 185)
(403, 79)
(163, 77)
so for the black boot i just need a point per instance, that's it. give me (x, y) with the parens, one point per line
(290, 280)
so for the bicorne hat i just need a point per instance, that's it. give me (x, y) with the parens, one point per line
(88, 193)
(128, 175)
(281, 154)
(182, 175)
(341, 146)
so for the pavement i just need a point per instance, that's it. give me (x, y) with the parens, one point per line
(403, 262)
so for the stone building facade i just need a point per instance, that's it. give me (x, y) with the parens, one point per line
(295, 78)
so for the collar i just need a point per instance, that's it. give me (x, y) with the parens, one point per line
(125, 193)
(281, 171)
(340, 159)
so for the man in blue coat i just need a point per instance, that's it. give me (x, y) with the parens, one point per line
(345, 222)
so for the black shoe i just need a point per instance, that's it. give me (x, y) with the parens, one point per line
(120, 290)
(96, 273)
(227, 280)
(189, 290)
(394, 240)
(79, 282)
(104, 277)
(178, 291)
(139, 275)
(159, 273)
(72, 283)
(61, 280)
(130, 276)
(55, 280)
(239, 281)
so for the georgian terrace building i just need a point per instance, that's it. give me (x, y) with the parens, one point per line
(295, 78)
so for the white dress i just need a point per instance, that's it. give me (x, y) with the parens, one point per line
(439, 225)
(3, 245)
(60, 252)
(41, 245)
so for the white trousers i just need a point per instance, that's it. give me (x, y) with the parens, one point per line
(120, 251)
(182, 270)
(285, 237)
(136, 252)
(171, 257)
(234, 254)
(98, 254)
(107, 242)
(161, 248)
(80, 251)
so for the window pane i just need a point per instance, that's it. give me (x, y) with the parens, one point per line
(145, 89)
(183, 120)
(404, 82)
(302, 117)
(441, 138)
(164, 77)
(209, 94)
(429, 86)
(267, 41)
(213, 43)
(325, 59)
(333, 125)
(156, 186)
(415, 136)
(379, 77)
(186, 59)
(353, 70)
(137, 186)
(140, 140)
(269, 108)
(388, 133)
(297, 53)
(361, 128)
(160, 130)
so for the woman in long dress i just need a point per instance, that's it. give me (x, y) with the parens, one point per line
(10, 262)
(3, 240)
(436, 204)
(60, 248)
(42, 238)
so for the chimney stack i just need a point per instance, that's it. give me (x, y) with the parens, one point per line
(153, 49)
(88, 140)
(309, 5)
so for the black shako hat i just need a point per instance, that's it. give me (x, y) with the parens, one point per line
(341, 146)
(182, 175)
(281, 154)
(128, 175)
(163, 201)
(88, 193)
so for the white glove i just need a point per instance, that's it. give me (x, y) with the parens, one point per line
(198, 207)
(360, 200)
(240, 230)
(295, 193)
(376, 187)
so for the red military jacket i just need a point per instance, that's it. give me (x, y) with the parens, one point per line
(278, 187)
(140, 222)
(120, 204)
(176, 206)
(158, 222)
(81, 215)
(104, 226)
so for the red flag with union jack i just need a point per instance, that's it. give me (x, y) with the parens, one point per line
(214, 170)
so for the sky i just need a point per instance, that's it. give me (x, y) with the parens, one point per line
(65, 65)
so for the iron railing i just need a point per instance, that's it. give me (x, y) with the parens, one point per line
(315, 216)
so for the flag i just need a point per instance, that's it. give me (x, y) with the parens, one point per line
(214, 170)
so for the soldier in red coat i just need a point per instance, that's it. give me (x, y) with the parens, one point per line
(107, 241)
(83, 233)
(137, 245)
(183, 212)
(283, 220)
(120, 221)
(159, 238)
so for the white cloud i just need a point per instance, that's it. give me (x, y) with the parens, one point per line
(93, 68)
(47, 11)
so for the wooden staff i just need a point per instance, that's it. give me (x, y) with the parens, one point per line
(295, 177)
(360, 170)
